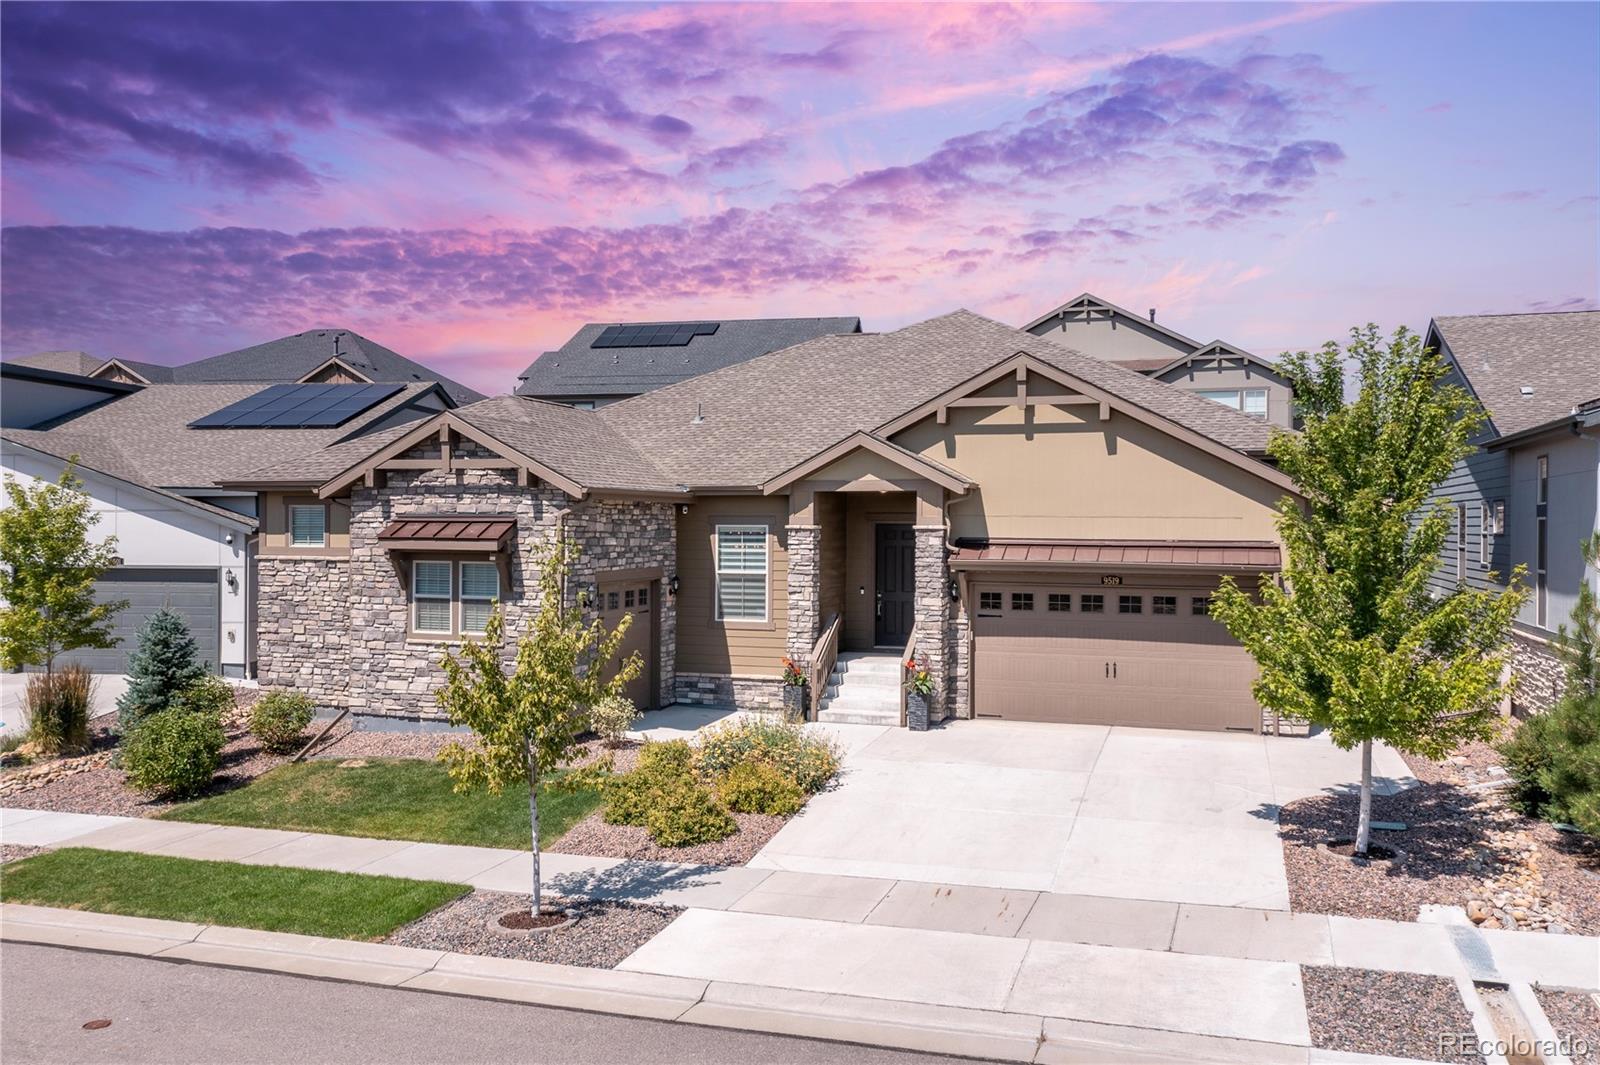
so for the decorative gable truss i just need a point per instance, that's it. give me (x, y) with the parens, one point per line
(335, 371)
(446, 435)
(1221, 355)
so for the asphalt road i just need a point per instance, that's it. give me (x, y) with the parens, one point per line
(168, 1013)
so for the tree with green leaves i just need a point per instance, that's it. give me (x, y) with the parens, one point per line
(48, 569)
(164, 666)
(527, 722)
(1579, 646)
(1352, 639)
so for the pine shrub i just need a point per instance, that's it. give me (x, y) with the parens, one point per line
(161, 668)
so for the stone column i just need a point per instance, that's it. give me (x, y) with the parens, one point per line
(933, 614)
(805, 591)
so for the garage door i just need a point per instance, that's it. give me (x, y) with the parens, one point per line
(191, 592)
(1147, 656)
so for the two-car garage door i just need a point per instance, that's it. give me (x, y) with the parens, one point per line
(1144, 655)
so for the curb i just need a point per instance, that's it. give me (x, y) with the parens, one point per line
(838, 1018)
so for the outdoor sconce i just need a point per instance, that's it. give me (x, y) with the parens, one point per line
(955, 589)
(232, 579)
(672, 584)
(861, 589)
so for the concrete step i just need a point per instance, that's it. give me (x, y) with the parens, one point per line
(864, 680)
(890, 718)
(860, 663)
(851, 700)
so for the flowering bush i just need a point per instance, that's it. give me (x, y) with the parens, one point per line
(809, 761)
(919, 678)
(793, 675)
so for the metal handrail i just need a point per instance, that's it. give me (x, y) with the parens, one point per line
(824, 653)
(906, 656)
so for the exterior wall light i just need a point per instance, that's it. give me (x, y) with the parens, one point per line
(955, 589)
(672, 582)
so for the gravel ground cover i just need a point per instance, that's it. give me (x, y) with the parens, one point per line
(593, 838)
(10, 852)
(1465, 847)
(1365, 1011)
(1576, 1018)
(604, 934)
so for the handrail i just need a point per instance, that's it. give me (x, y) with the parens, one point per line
(824, 653)
(911, 650)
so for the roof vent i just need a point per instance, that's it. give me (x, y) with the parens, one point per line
(1527, 390)
(1152, 315)
(699, 415)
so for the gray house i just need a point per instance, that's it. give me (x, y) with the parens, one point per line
(1215, 370)
(608, 361)
(1531, 492)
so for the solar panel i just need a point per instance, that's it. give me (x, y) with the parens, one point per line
(648, 335)
(297, 407)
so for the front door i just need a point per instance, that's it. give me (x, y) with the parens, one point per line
(896, 585)
(637, 598)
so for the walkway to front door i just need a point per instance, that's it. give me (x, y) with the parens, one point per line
(896, 557)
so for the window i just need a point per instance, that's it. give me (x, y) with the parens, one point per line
(1200, 606)
(1255, 402)
(1499, 517)
(611, 601)
(583, 404)
(1461, 541)
(1092, 603)
(990, 601)
(1059, 604)
(1485, 523)
(1228, 397)
(1021, 600)
(430, 595)
(741, 572)
(308, 526)
(1541, 511)
(480, 588)
(1130, 604)
(644, 597)
(1544, 479)
(1163, 604)
(1251, 401)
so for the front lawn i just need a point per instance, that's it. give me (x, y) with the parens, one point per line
(273, 898)
(390, 798)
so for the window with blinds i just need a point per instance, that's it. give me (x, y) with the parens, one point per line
(308, 526)
(741, 572)
(430, 596)
(480, 587)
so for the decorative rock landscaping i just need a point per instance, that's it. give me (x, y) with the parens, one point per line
(1366, 1011)
(602, 936)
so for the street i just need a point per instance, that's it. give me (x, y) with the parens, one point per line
(167, 1013)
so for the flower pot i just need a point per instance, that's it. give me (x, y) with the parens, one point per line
(916, 712)
(794, 702)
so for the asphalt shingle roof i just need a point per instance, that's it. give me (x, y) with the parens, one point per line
(576, 369)
(292, 357)
(1556, 354)
(78, 362)
(593, 451)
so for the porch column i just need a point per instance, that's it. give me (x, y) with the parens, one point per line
(933, 598)
(805, 576)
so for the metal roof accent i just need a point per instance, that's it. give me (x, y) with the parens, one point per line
(1250, 555)
(448, 532)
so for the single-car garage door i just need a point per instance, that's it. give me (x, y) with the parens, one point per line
(194, 593)
(1108, 655)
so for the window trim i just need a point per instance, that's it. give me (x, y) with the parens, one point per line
(1461, 542)
(1485, 524)
(320, 508)
(1238, 403)
(449, 598)
(717, 527)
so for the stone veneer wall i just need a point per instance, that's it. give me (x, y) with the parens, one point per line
(933, 614)
(762, 695)
(1540, 674)
(805, 591)
(960, 644)
(303, 625)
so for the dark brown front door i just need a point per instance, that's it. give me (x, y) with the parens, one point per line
(897, 585)
(637, 598)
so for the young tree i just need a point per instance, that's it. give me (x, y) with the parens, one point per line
(1579, 646)
(164, 666)
(527, 722)
(1353, 640)
(48, 568)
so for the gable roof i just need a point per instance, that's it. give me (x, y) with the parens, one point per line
(909, 461)
(1555, 354)
(577, 369)
(74, 362)
(1088, 302)
(1217, 349)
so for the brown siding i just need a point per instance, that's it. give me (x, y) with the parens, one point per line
(706, 645)
(862, 513)
(274, 537)
(830, 516)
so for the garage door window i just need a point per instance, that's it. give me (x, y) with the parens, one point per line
(1021, 600)
(308, 526)
(1092, 603)
(1130, 604)
(1060, 604)
(1163, 604)
(741, 572)
(1200, 606)
(990, 602)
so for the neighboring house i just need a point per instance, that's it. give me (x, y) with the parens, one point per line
(608, 361)
(185, 538)
(325, 356)
(1216, 370)
(1044, 527)
(31, 396)
(1531, 492)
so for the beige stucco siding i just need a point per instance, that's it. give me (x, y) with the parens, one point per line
(1112, 339)
(1062, 474)
(705, 644)
(274, 535)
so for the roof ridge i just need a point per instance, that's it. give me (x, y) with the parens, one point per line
(1511, 314)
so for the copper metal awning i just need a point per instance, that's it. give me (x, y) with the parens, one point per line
(1249, 555)
(445, 532)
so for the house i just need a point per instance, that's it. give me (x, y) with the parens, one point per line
(1216, 370)
(1530, 493)
(319, 356)
(155, 459)
(608, 361)
(1044, 527)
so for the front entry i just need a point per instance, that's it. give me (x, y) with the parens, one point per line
(896, 557)
(636, 597)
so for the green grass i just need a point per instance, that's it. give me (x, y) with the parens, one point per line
(308, 901)
(398, 798)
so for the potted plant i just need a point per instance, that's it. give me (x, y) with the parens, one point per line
(794, 691)
(919, 690)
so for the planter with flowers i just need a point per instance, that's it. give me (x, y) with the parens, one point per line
(794, 691)
(919, 692)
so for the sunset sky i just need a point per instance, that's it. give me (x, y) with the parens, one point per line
(467, 184)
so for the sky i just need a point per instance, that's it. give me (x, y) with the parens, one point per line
(469, 183)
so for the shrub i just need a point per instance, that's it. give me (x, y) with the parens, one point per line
(1526, 755)
(684, 814)
(208, 695)
(174, 752)
(662, 767)
(809, 761)
(672, 758)
(760, 788)
(610, 717)
(164, 665)
(1555, 760)
(58, 709)
(279, 718)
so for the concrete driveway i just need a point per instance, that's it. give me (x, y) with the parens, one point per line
(1081, 809)
(108, 689)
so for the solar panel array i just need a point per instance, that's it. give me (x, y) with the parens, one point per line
(297, 407)
(666, 335)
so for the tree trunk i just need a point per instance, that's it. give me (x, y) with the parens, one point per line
(533, 816)
(1364, 820)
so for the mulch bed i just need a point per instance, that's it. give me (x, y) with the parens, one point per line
(1461, 843)
(593, 838)
(1576, 1018)
(604, 934)
(1365, 1011)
